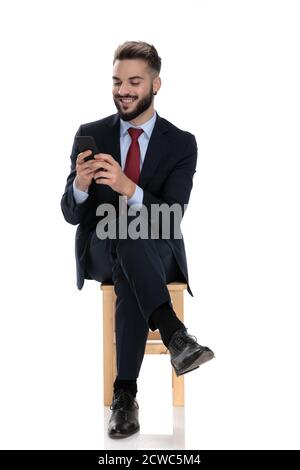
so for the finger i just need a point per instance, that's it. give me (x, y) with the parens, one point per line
(105, 181)
(103, 174)
(102, 164)
(81, 156)
(105, 157)
(88, 164)
(81, 170)
(87, 172)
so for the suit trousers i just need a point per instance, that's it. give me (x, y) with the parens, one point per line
(139, 269)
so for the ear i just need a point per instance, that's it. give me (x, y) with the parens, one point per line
(156, 84)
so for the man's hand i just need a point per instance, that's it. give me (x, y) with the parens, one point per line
(112, 175)
(84, 171)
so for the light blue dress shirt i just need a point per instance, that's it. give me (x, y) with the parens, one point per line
(125, 141)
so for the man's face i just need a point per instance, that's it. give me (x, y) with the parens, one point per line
(132, 79)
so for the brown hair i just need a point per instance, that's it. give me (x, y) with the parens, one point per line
(139, 50)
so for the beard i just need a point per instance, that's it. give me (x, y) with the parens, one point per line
(138, 106)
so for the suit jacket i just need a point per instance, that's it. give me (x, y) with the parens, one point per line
(166, 177)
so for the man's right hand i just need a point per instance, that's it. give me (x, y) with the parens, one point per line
(84, 172)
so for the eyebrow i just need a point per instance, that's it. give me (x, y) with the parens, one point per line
(130, 78)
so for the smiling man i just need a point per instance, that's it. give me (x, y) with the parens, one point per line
(148, 162)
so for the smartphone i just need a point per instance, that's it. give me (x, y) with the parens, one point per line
(87, 142)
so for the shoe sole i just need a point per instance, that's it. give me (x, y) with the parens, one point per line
(196, 362)
(118, 435)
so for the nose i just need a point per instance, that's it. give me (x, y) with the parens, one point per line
(123, 89)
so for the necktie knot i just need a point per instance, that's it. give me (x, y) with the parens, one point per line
(135, 133)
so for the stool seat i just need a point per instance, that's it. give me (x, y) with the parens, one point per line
(154, 343)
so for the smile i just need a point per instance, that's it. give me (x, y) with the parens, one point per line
(127, 100)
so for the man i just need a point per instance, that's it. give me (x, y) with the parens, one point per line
(145, 161)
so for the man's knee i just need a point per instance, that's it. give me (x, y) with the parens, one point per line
(123, 226)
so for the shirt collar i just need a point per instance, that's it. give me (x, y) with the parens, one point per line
(147, 126)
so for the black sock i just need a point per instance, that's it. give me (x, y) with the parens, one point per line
(164, 318)
(129, 385)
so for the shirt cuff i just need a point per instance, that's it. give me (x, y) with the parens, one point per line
(137, 197)
(79, 196)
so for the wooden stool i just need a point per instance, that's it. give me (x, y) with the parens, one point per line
(154, 342)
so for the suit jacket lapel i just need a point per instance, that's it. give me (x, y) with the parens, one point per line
(113, 140)
(157, 150)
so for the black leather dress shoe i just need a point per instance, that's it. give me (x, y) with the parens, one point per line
(186, 354)
(124, 420)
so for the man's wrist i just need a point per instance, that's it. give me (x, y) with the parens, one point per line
(130, 190)
(81, 187)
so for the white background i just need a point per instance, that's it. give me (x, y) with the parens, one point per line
(230, 75)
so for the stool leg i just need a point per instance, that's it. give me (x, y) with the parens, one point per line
(114, 346)
(178, 389)
(108, 346)
(178, 382)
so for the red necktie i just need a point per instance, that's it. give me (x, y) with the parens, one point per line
(132, 165)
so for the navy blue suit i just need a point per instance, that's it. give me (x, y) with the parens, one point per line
(138, 268)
